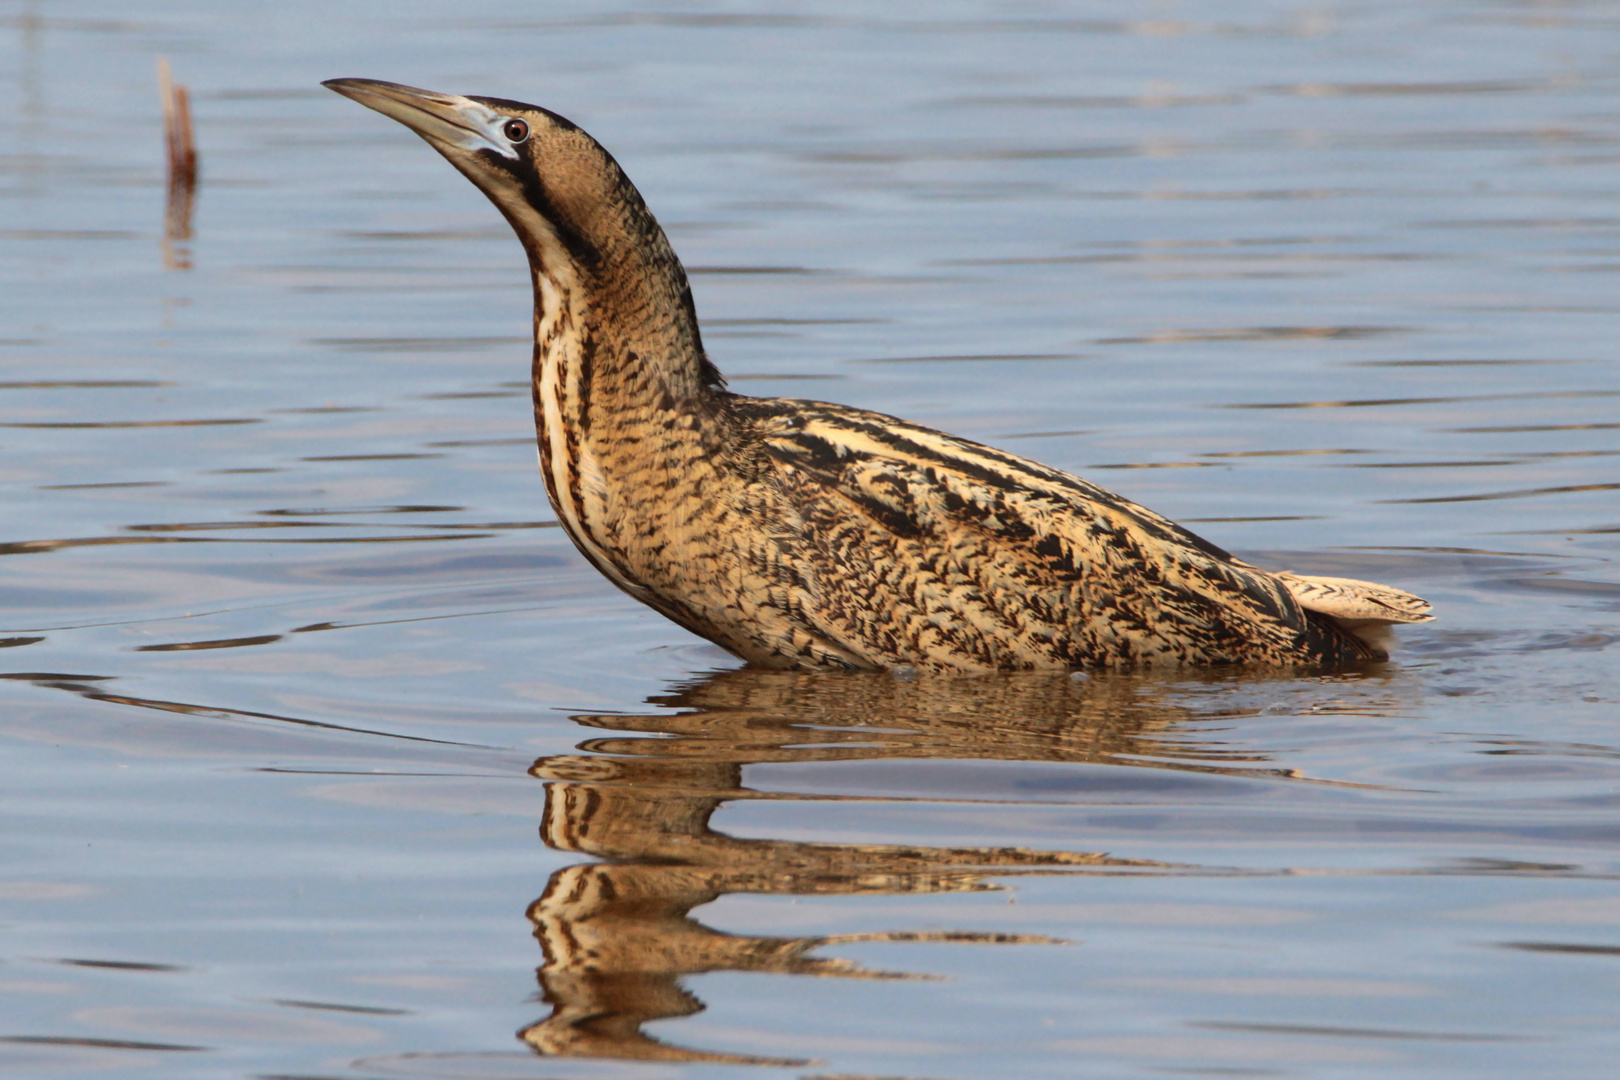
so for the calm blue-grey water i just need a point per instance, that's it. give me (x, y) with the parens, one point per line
(323, 755)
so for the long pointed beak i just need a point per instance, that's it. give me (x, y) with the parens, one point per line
(447, 121)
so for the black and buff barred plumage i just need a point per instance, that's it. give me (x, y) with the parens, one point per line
(803, 534)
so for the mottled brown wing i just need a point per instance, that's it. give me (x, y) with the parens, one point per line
(997, 561)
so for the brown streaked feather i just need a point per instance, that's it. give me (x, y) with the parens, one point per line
(952, 555)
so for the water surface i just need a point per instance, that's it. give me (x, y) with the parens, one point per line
(325, 755)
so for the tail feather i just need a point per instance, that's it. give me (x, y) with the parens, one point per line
(1364, 608)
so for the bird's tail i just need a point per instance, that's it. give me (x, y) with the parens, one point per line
(1363, 608)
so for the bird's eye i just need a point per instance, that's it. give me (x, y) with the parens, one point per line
(515, 130)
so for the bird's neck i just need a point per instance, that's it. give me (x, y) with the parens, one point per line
(610, 296)
(622, 391)
(616, 344)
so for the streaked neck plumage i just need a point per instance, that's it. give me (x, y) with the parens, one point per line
(619, 369)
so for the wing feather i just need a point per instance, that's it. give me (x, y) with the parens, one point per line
(1010, 554)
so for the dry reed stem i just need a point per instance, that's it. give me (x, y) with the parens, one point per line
(182, 152)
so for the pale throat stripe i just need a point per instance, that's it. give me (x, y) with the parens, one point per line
(557, 386)
(555, 334)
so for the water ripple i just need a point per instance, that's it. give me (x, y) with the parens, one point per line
(1523, 493)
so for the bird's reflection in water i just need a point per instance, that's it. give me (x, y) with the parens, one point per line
(617, 935)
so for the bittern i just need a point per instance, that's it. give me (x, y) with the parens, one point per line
(801, 534)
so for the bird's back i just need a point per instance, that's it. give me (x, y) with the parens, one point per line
(910, 546)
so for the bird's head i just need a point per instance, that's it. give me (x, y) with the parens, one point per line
(562, 192)
(584, 225)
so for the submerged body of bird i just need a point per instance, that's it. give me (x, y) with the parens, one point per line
(804, 534)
